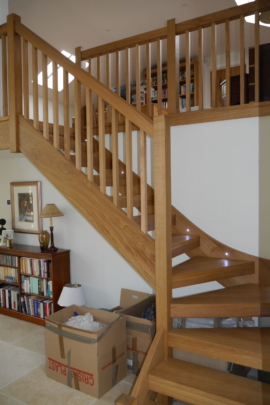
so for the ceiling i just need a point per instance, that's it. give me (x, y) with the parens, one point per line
(66, 24)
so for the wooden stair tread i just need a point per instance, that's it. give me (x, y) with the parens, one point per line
(184, 243)
(246, 346)
(201, 269)
(205, 386)
(151, 221)
(237, 301)
(136, 201)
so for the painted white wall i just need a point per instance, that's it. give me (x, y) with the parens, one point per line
(94, 263)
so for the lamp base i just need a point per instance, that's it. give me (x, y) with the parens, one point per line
(52, 249)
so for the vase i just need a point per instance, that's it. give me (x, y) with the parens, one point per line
(44, 239)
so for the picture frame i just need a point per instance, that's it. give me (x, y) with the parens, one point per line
(26, 206)
(6, 234)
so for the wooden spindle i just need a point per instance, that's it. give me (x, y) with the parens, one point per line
(35, 87)
(129, 173)
(117, 72)
(228, 63)
(78, 107)
(148, 78)
(143, 182)
(55, 107)
(66, 115)
(242, 59)
(187, 35)
(138, 78)
(101, 140)
(159, 77)
(98, 68)
(173, 68)
(25, 80)
(89, 66)
(89, 135)
(200, 68)
(214, 67)
(45, 96)
(4, 76)
(128, 95)
(115, 162)
(257, 58)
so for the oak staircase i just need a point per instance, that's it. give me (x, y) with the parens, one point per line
(246, 278)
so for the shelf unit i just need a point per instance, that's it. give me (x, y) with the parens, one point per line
(194, 97)
(59, 275)
(264, 66)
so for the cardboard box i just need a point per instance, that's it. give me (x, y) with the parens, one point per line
(91, 362)
(140, 332)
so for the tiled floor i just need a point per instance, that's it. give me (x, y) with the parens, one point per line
(23, 378)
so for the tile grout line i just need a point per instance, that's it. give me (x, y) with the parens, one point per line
(23, 375)
(7, 396)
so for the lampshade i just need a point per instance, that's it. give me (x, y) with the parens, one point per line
(72, 294)
(49, 211)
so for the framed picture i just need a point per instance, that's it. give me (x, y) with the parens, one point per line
(6, 235)
(26, 206)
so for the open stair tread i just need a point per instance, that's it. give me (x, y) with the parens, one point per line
(246, 346)
(184, 243)
(237, 301)
(200, 385)
(151, 221)
(201, 269)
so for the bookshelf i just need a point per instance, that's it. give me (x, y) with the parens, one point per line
(31, 281)
(194, 99)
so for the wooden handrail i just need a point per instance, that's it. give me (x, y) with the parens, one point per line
(89, 81)
(3, 29)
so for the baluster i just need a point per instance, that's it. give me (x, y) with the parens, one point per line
(78, 105)
(128, 75)
(228, 63)
(257, 58)
(173, 68)
(187, 71)
(159, 77)
(35, 87)
(89, 135)
(115, 162)
(200, 69)
(55, 107)
(242, 60)
(98, 68)
(4, 76)
(45, 97)
(138, 78)
(129, 174)
(101, 139)
(108, 84)
(148, 79)
(66, 115)
(143, 182)
(117, 72)
(214, 67)
(25, 80)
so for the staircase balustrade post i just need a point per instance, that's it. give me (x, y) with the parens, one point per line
(14, 81)
(173, 68)
(78, 105)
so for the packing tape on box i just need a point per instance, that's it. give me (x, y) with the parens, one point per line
(135, 361)
(140, 327)
(73, 336)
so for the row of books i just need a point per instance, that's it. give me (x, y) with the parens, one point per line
(36, 306)
(36, 286)
(183, 88)
(9, 274)
(36, 267)
(8, 260)
(182, 102)
(9, 297)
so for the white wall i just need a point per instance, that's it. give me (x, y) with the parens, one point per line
(94, 263)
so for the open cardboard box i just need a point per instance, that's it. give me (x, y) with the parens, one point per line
(91, 362)
(140, 331)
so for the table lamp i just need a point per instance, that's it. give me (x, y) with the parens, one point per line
(50, 211)
(72, 294)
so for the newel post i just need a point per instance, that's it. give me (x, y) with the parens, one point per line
(163, 231)
(14, 81)
(173, 67)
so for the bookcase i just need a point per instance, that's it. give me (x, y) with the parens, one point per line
(31, 281)
(194, 99)
(264, 66)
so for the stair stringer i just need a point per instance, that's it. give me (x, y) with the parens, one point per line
(111, 222)
(4, 133)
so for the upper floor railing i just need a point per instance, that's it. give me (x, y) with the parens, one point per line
(208, 62)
